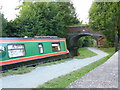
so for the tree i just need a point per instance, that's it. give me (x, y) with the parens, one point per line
(86, 41)
(44, 18)
(3, 25)
(105, 16)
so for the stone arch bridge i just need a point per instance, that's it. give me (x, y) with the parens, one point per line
(76, 32)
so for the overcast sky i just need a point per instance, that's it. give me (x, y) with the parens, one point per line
(81, 6)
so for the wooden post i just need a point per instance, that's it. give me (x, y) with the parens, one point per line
(116, 43)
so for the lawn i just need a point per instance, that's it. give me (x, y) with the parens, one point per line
(65, 80)
(84, 53)
(108, 50)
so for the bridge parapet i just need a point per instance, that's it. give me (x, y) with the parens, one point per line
(78, 29)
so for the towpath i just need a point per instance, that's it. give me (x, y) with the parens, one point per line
(104, 76)
(43, 74)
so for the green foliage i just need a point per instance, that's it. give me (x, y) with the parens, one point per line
(7, 28)
(3, 25)
(105, 16)
(86, 41)
(44, 19)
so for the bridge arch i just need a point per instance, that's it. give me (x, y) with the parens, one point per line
(73, 40)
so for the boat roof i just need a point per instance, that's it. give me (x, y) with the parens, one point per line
(36, 37)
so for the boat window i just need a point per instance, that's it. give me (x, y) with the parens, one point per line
(56, 47)
(16, 50)
(2, 49)
(41, 50)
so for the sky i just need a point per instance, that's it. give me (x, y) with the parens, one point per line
(81, 6)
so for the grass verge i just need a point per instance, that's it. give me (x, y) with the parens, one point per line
(65, 80)
(108, 50)
(18, 71)
(84, 53)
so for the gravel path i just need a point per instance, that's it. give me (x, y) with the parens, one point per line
(43, 74)
(104, 76)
